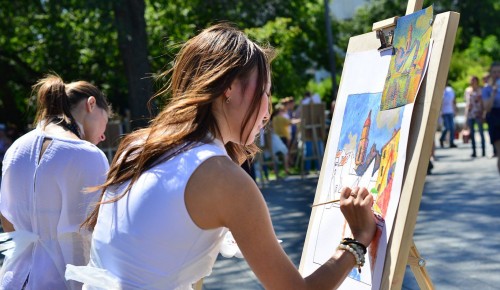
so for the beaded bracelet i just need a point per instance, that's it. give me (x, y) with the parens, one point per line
(359, 251)
(360, 259)
(351, 241)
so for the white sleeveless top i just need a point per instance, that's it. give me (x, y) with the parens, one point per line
(45, 200)
(147, 240)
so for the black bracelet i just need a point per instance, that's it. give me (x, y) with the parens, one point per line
(347, 241)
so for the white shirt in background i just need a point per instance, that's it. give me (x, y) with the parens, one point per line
(43, 197)
(448, 106)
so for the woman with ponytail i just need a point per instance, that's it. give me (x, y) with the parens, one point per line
(175, 188)
(44, 196)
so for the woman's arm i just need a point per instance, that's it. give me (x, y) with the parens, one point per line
(221, 194)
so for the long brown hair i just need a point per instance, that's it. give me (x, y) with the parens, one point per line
(204, 69)
(56, 99)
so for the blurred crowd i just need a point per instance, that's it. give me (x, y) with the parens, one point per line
(481, 113)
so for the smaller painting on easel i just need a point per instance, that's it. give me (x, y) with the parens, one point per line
(408, 65)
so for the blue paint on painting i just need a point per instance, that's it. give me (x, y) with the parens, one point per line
(355, 114)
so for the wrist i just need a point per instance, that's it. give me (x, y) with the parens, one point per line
(355, 244)
(364, 239)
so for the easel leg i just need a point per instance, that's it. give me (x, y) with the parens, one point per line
(417, 265)
(198, 285)
(316, 153)
(301, 155)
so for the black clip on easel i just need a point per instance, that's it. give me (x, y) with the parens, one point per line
(385, 32)
(385, 40)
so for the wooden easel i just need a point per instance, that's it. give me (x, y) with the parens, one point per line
(417, 266)
(401, 250)
(421, 139)
(312, 129)
(198, 285)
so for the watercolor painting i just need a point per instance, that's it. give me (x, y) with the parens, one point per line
(366, 148)
(366, 156)
(411, 43)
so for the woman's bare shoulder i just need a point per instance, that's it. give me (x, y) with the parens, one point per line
(225, 173)
(222, 187)
(220, 176)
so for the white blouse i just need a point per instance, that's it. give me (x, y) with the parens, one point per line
(45, 199)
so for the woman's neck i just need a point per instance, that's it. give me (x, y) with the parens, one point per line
(78, 120)
(80, 129)
(55, 128)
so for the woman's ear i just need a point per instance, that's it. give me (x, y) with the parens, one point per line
(90, 104)
(227, 92)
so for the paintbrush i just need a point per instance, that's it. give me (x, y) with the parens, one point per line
(326, 202)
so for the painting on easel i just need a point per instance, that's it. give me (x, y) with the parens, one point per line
(369, 147)
(369, 141)
(411, 43)
(366, 155)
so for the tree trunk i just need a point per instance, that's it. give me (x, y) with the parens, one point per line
(132, 42)
(331, 53)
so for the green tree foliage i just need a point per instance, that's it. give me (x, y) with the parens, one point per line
(323, 88)
(281, 34)
(476, 45)
(79, 40)
(477, 18)
(294, 27)
(73, 38)
(472, 61)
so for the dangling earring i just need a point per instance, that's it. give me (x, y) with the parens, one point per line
(228, 99)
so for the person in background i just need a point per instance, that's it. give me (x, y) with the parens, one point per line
(332, 109)
(316, 98)
(486, 83)
(46, 174)
(289, 104)
(432, 159)
(474, 113)
(249, 168)
(307, 99)
(282, 123)
(161, 225)
(491, 100)
(448, 110)
(281, 126)
(329, 119)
